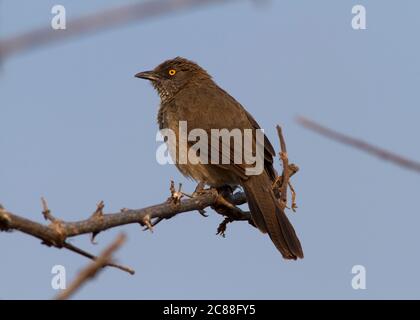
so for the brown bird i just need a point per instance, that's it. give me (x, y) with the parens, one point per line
(188, 93)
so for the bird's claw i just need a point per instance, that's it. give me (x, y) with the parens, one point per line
(221, 229)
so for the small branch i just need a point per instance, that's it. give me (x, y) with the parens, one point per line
(176, 195)
(292, 190)
(92, 257)
(360, 144)
(46, 212)
(92, 269)
(286, 173)
(98, 214)
(97, 22)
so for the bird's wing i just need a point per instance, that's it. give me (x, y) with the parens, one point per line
(210, 107)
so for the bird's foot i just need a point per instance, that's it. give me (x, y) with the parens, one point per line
(221, 229)
(226, 191)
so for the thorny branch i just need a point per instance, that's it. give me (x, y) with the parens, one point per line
(223, 201)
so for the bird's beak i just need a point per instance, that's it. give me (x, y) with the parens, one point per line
(148, 75)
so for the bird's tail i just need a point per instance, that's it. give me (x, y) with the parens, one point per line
(269, 217)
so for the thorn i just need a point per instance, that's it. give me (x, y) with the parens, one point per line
(99, 210)
(98, 214)
(154, 223)
(172, 187)
(93, 236)
(176, 196)
(203, 213)
(46, 212)
(146, 221)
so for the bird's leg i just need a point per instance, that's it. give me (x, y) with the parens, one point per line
(225, 191)
(226, 208)
(225, 204)
(221, 229)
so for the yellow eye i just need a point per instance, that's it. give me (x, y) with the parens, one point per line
(172, 72)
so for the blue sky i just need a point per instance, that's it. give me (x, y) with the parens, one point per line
(77, 127)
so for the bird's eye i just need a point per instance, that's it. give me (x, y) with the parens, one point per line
(172, 72)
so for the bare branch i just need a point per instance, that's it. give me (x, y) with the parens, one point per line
(360, 144)
(97, 22)
(223, 200)
(92, 269)
(92, 257)
(54, 236)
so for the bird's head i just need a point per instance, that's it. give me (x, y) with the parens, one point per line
(171, 76)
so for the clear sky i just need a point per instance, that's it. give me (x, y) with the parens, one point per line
(77, 127)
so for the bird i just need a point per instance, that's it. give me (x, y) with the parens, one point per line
(188, 93)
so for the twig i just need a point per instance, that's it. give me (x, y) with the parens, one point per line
(360, 144)
(92, 269)
(286, 173)
(96, 22)
(292, 190)
(176, 195)
(93, 257)
(46, 212)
